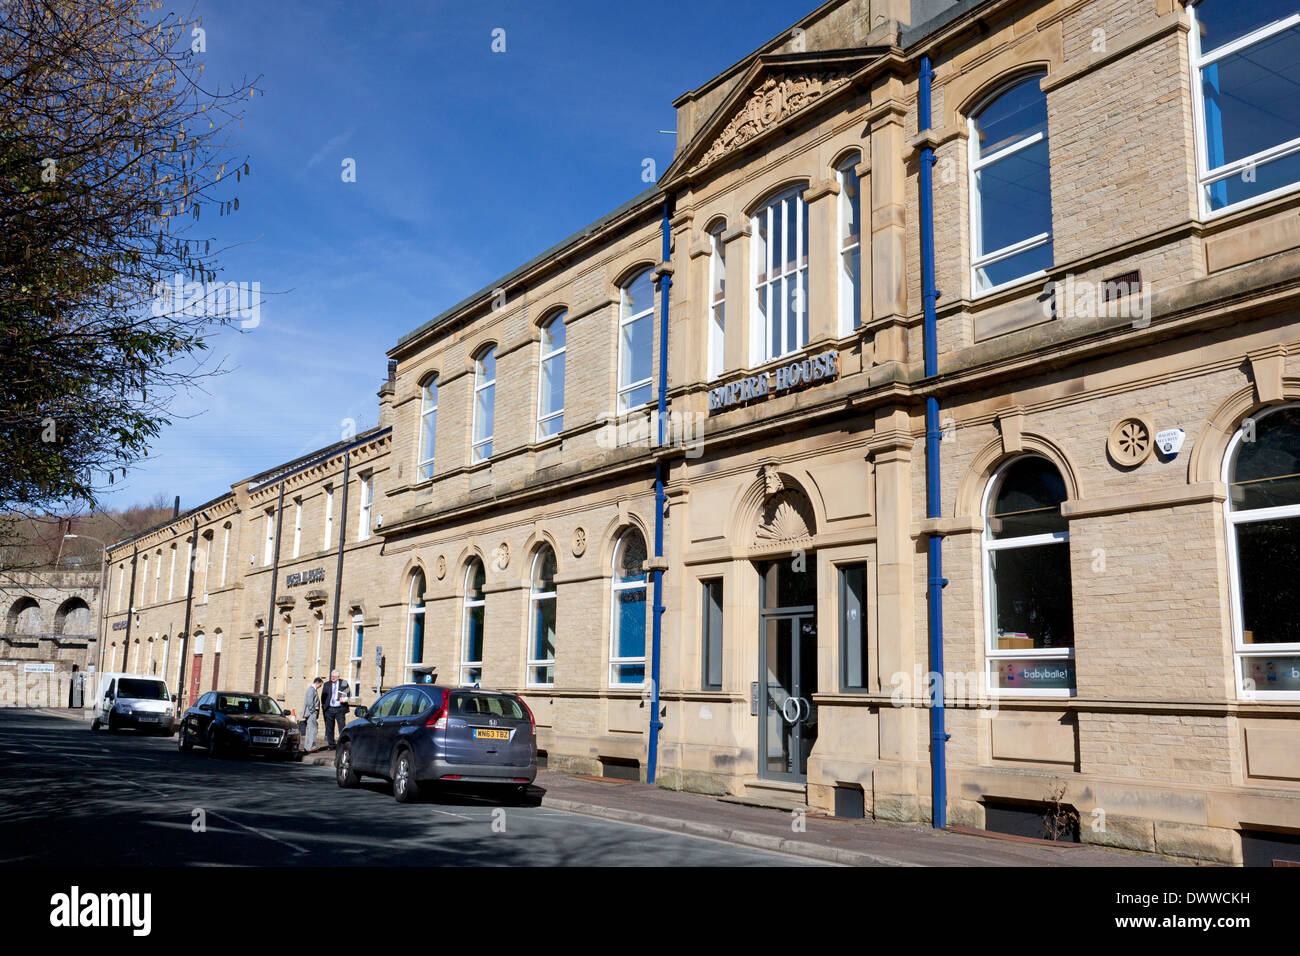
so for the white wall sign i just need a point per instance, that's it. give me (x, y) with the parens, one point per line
(43, 667)
(1170, 441)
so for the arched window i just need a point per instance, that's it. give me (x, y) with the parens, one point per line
(25, 616)
(1011, 190)
(73, 617)
(415, 622)
(780, 277)
(850, 249)
(1027, 605)
(550, 379)
(485, 386)
(717, 301)
(471, 655)
(628, 602)
(636, 338)
(542, 601)
(428, 427)
(1245, 69)
(1263, 508)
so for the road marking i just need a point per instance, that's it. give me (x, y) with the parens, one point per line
(448, 813)
(165, 796)
(261, 833)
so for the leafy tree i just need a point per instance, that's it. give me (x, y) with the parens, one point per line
(111, 149)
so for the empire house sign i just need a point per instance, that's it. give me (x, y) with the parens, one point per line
(796, 375)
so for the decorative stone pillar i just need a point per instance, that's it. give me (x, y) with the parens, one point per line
(737, 336)
(888, 218)
(895, 584)
(823, 267)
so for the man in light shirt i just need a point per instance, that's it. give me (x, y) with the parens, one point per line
(334, 700)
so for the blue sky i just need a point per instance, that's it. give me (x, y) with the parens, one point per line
(468, 163)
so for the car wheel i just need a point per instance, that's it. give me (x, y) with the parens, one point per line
(112, 724)
(214, 744)
(183, 742)
(405, 787)
(343, 772)
(94, 724)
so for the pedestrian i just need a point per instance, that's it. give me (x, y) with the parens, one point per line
(310, 714)
(334, 698)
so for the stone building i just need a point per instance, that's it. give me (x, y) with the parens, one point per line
(48, 639)
(1093, 233)
(295, 525)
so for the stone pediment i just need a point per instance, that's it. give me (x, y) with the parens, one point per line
(773, 91)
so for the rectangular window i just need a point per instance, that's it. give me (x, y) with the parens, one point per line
(358, 636)
(485, 384)
(121, 577)
(780, 278)
(428, 429)
(225, 550)
(853, 627)
(636, 336)
(329, 518)
(207, 566)
(850, 277)
(1010, 188)
(189, 561)
(171, 575)
(363, 514)
(268, 548)
(1245, 69)
(144, 578)
(157, 577)
(550, 380)
(717, 304)
(297, 526)
(711, 633)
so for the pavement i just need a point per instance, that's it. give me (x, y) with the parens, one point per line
(812, 836)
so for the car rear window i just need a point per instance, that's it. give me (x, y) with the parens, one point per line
(468, 704)
(141, 689)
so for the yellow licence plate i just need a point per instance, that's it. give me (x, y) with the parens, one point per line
(492, 734)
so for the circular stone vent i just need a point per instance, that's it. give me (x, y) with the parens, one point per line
(1130, 441)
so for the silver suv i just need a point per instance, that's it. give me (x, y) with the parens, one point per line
(421, 734)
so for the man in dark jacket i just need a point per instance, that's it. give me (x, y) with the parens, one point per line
(334, 700)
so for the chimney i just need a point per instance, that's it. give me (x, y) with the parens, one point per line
(176, 507)
(386, 392)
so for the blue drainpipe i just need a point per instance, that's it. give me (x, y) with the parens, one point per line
(936, 580)
(665, 284)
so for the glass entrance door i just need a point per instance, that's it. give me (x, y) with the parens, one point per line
(787, 668)
(788, 680)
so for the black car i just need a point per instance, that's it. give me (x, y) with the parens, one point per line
(419, 734)
(236, 722)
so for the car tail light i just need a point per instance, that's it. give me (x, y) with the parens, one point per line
(438, 719)
(451, 776)
(532, 721)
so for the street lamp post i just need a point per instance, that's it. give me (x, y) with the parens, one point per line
(99, 614)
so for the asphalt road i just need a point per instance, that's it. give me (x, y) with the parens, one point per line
(73, 797)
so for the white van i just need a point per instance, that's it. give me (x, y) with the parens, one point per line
(133, 700)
